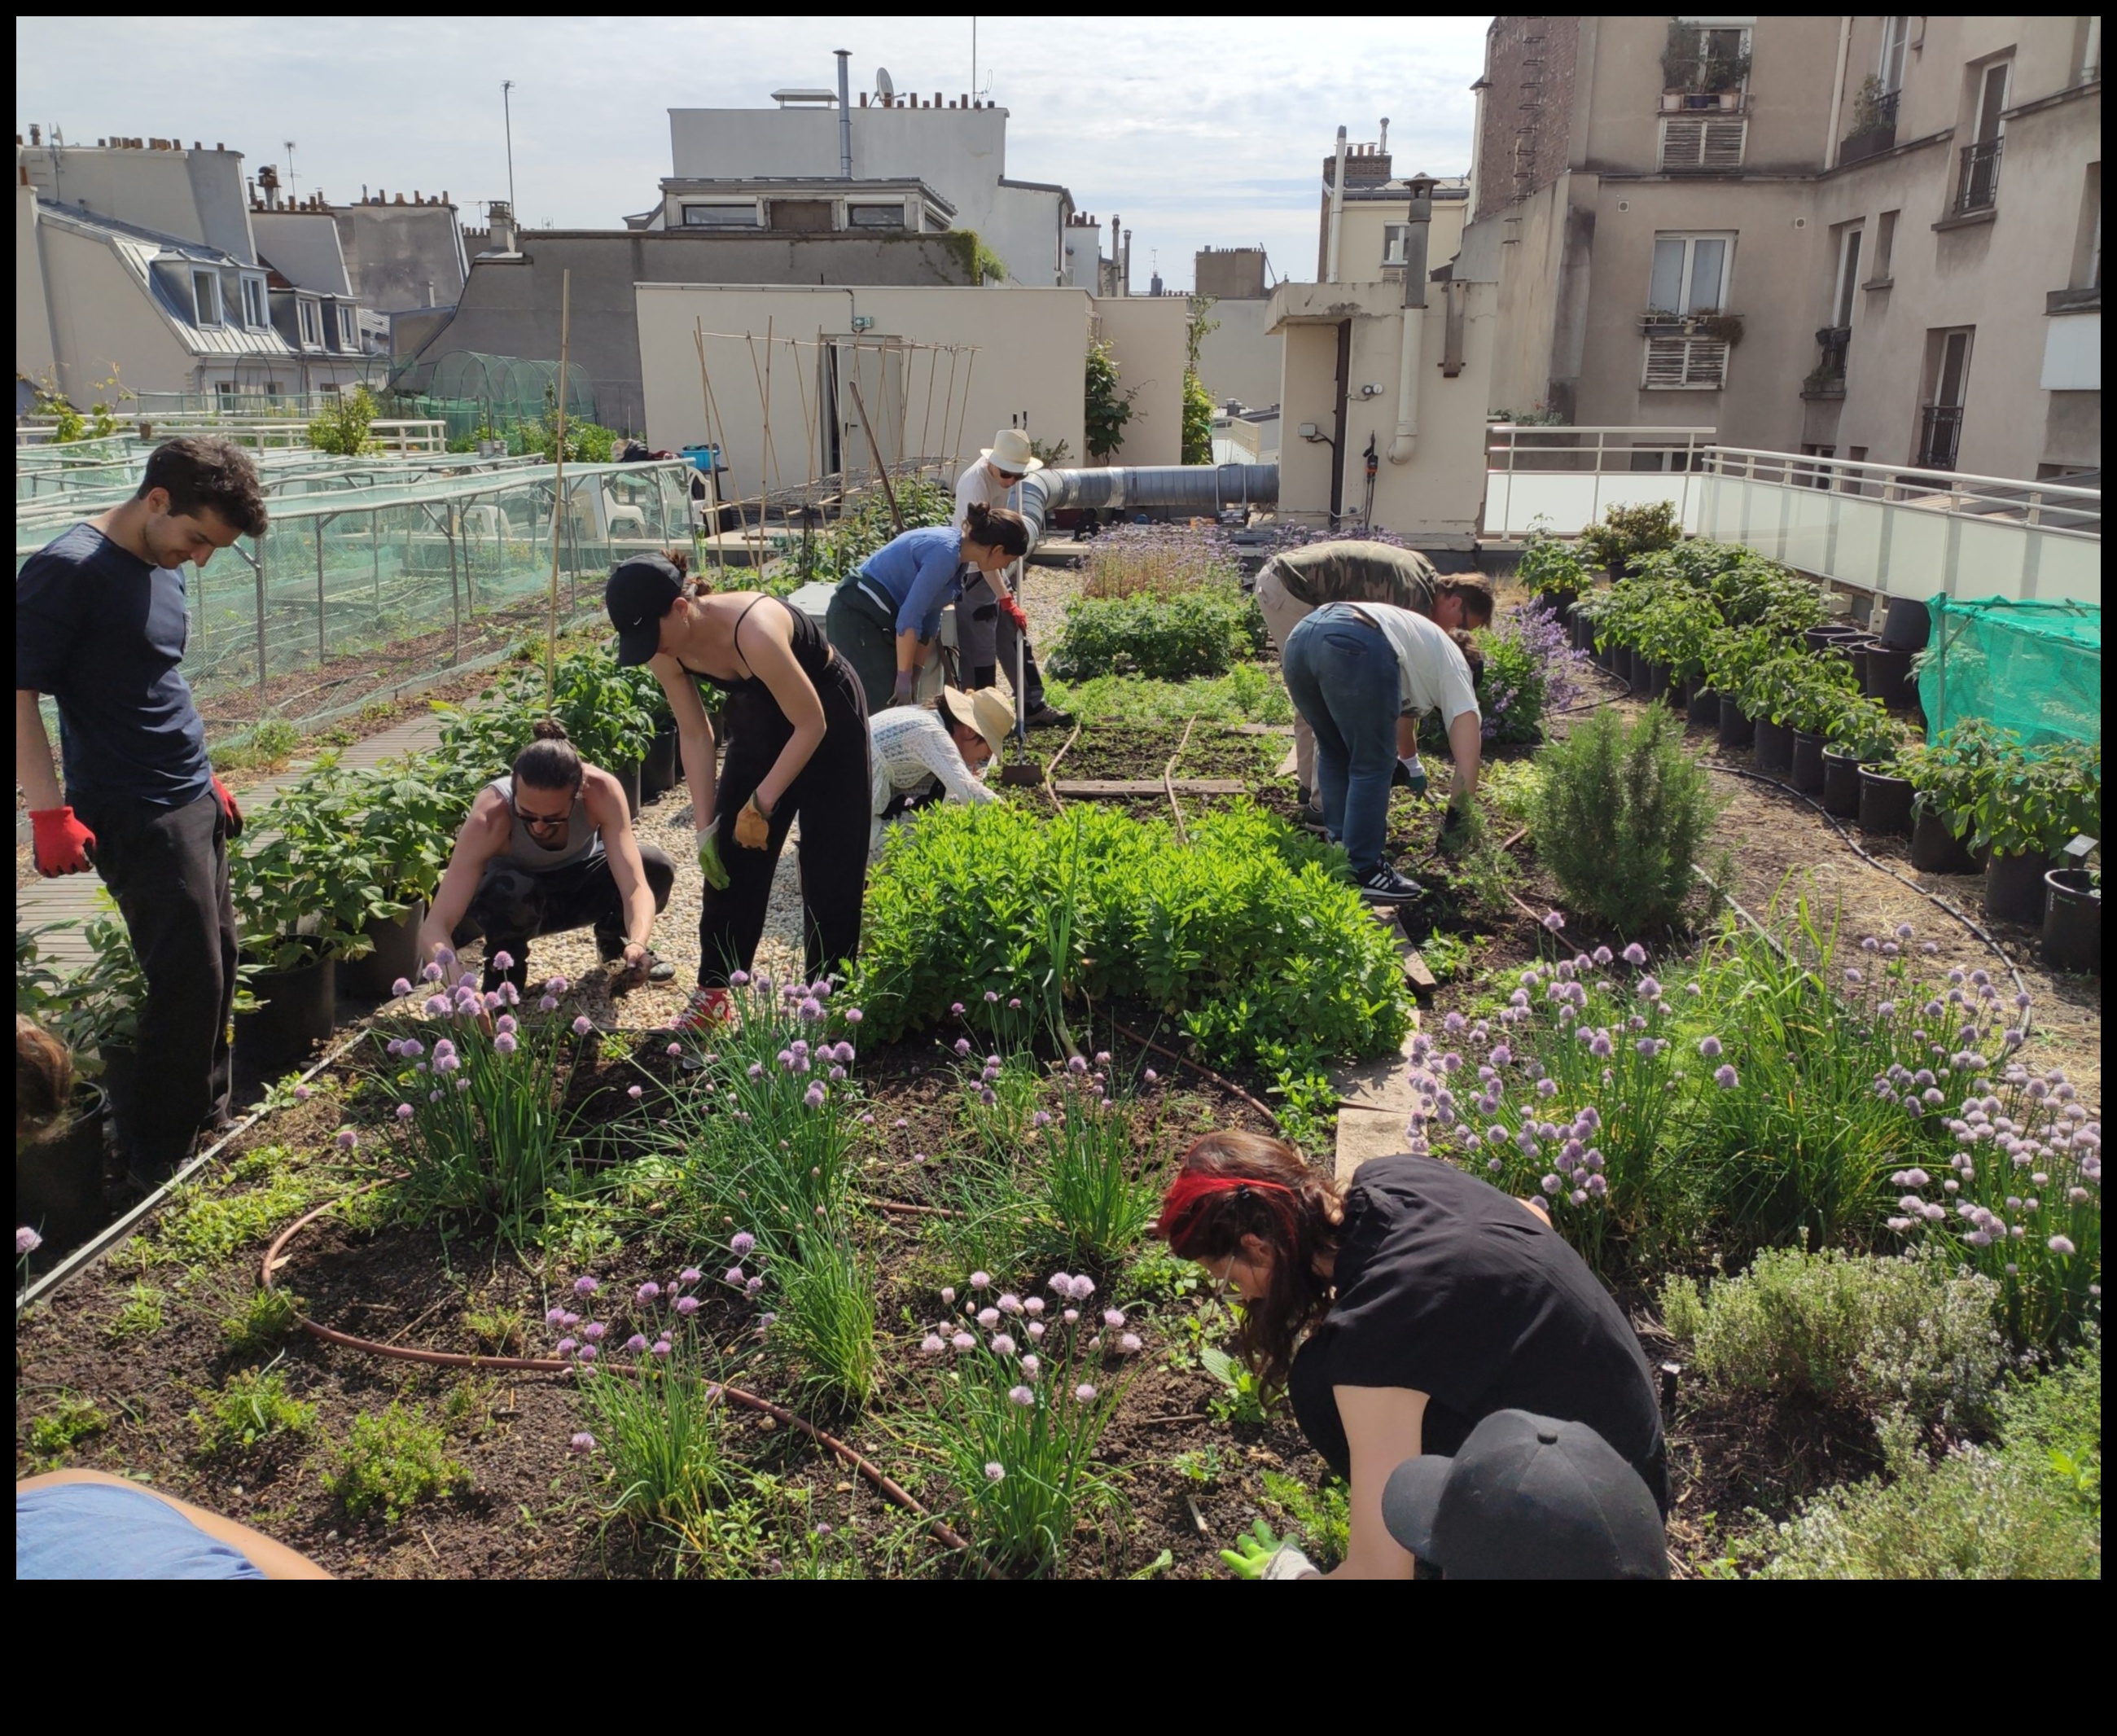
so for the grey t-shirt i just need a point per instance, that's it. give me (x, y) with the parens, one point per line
(1351, 571)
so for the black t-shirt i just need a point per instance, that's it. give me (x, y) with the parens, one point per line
(103, 633)
(1451, 1288)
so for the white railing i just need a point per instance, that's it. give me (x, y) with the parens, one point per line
(1880, 528)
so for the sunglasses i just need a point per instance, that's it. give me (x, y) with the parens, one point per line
(1008, 475)
(541, 822)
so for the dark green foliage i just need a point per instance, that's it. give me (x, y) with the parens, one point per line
(1108, 408)
(1206, 630)
(1627, 531)
(1622, 817)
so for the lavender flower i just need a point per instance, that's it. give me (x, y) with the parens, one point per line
(582, 1025)
(1709, 1047)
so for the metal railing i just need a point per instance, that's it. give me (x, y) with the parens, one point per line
(1572, 476)
(1940, 435)
(1977, 187)
(1876, 133)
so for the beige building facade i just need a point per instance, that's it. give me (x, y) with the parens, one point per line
(1872, 238)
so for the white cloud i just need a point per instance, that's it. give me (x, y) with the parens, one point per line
(1197, 131)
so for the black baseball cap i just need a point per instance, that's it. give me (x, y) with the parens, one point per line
(638, 595)
(1528, 1497)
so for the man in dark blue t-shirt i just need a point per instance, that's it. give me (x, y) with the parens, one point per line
(99, 626)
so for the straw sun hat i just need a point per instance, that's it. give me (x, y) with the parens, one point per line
(1010, 451)
(983, 710)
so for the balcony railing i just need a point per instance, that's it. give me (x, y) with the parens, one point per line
(1827, 379)
(1940, 434)
(1873, 129)
(1978, 188)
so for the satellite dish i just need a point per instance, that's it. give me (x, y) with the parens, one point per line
(882, 86)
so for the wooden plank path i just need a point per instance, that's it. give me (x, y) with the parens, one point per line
(1090, 789)
(74, 898)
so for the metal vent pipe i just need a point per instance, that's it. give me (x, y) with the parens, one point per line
(844, 114)
(1202, 488)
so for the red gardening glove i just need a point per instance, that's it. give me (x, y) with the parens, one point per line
(62, 844)
(228, 808)
(1012, 609)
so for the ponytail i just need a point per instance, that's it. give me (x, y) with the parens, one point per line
(550, 762)
(998, 527)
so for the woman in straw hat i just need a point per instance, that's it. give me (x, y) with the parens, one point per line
(991, 630)
(933, 752)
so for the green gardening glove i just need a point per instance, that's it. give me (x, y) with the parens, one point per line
(1253, 1552)
(709, 861)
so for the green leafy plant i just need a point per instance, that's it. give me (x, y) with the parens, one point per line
(1206, 630)
(2033, 801)
(1628, 531)
(1092, 1192)
(342, 429)
(1950, 772)
(1864, 728)
(71, 1420)
(1106, 406)
(1321, 1515)
(1198, 401)
(264, 1320)
(826, 1313)
(1622, 818)
(391, 1460)
(1549, 567)
(1242, 1397)
(252, 1406)
(140, 1316)
(311, 887)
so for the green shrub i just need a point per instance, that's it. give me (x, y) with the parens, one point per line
(1886, 1337)
(1206, 630)
(2031, 1507)
(1249, 693)
(1549, 567)
(1250, 936)
(1628, 531)
(1621, 816)
(262, 1321)
(342, 429)
(391, 1461)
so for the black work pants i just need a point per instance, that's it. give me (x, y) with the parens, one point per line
(167, 870)
(513, 904)
(831, 797)
(986, 642)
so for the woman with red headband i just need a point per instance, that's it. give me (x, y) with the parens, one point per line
(1400, 1312)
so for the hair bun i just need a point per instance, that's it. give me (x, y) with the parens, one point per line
(976, 516)
(549, 729)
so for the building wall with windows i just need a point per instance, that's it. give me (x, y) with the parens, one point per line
(1689, 256)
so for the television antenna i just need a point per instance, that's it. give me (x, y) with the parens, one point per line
(290, 172)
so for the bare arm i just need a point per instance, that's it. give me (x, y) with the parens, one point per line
(33, 756)
(1407, 736)
(694, 734)
(910, 651)
(483, 837)
(607, 810)
(769, 652)
(1466, 742)
(1384, 1426)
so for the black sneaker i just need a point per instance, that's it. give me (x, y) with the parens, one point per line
(1050, 717)
(1310, 819)
(1387, 886)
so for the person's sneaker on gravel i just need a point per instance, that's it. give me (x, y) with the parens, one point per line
(1310, 819)
(1387, 886)
(1050, 717)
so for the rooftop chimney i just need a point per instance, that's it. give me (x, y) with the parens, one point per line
(844, 113)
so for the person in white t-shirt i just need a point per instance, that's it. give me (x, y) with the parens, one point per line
(1362, 674)
(927, 753)
(990, 625)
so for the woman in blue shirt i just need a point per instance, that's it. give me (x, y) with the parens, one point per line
(883, 618)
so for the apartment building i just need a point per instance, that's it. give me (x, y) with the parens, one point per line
(1873, 238)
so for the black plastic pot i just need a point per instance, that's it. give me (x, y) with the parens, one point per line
(1841, 783)
(1580, 631)
(1909, 624)
(58, 1180)
(1735, 728)
(2073, 921)
(1807, 768)
(1831, 637)
(1650, 678)
(627, 773)
(1703, 707)
(1937, 850)
(1774, 748)
(2014, 887)
(396, 954)
(1885, 802)
(1559, 603)
(1856, 653)
(1889, 677)
(657, 771)
(299, 1010)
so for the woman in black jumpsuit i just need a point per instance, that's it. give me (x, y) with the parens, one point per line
(797, 745)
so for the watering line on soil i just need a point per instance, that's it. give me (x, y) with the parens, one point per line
(882, 1481)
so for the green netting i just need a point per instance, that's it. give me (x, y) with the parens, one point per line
(504, 390)
(2033, 668)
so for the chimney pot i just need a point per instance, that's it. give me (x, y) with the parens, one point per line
(218, 145)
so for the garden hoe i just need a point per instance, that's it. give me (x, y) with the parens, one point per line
(1024, 770)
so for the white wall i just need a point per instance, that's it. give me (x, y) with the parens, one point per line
(1241, 359)
(1147, 339)
(959, 153)
(33, 359)
(101, 319)
(196, 196)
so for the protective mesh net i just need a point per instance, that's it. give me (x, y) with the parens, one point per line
(2032, 668)
(469, 387)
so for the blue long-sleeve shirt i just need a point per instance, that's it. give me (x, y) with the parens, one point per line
(921, 573)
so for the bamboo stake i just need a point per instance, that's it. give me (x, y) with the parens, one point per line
(764, 458)
(926, 421)
(712, 477)
(888, 493)
(558, 495)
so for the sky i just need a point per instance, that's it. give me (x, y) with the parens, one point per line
(1197, 134)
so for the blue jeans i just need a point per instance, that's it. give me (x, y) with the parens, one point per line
(1343, 675)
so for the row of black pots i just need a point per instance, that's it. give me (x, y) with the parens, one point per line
(662, 767)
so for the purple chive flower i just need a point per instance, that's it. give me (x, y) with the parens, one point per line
(741, 1242)
(734, 1275)
(1036, 1329)
(1020, 1396)
(555, 1318)
(636, 1343)
(1033, 1305)
(931, 1345)
(1004, 1346)
(2061, 1246)
(687, 1305)
(566, 1346)
(582, 1025)
(988, 1318)
(992, 997)
(404, 1111)
(1553, 921)
(962, 1045)
(348, 1140)
(964, 1341)
(582, 1443)
(550, 1003)
(662, 1347)
(948, 1295)
(995, 1471)
(1726, 1077)
(752, 1285)
(1083, 1288)
(503, 961)
(635, 1092)
(1070, 1315)
(955, 1009)
(1128, 1343)
(504, 1044)
(593, 1331)
(586, 1286)
(1635, 955)
(1709, 1047)
(647, 1293)
(852, 1015)
(1031, 1365)
(1112, 1317)
(980, 1281)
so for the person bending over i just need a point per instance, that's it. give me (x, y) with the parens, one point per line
(1422, 1300)
(884, 618)
(992, 632)
(547, 848)
(1364, 674)
(922, 753)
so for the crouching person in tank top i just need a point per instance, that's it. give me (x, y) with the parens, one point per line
(548, 848)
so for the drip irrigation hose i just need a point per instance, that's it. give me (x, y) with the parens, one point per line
(1057, 805)
(1169, 778)
(888, 1486)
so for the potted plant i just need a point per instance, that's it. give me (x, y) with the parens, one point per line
(1737, 659)
(1946, 775)
(58, 1166)
(2073, 919)
(659, 769)
(1550, 571)
(2028, 806)
(1819, 707)
(405, 828)
(1862, 734)
(1776, 692)
(604, 717)
(1625, 532)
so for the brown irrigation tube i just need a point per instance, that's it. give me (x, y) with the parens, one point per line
(1169, 777)
(1052, 765)
(866, 1467)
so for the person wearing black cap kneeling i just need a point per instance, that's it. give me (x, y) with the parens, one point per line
(1399, 1316)
(797, 746)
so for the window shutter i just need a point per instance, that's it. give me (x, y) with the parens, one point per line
(1684, 364)
(1695, 143)
(1722, 146)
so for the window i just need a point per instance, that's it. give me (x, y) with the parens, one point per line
(253, 303)
(1396, 243)
(1690, 273)
(1815, 476)
(1977, 188)
(742, 216)
(1705, 58)
(1948, 383)
(1849, 275)
(348, 326)
(1885, 246)
(1896, 37)
(206, 297)
(226, 390)
(313, 337)
(875, 216)
(1691, 142)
